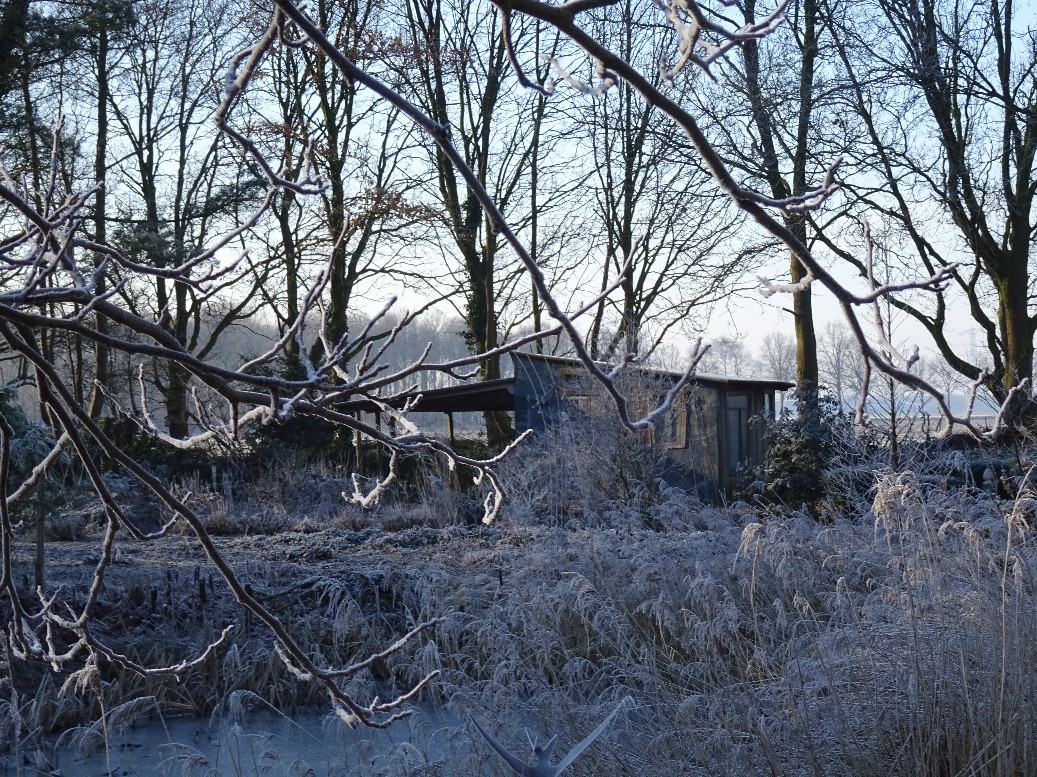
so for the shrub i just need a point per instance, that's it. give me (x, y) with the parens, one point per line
(799, 448)
(32, 440)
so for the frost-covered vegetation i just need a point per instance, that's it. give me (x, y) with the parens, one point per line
(895, 638)
(864, 610)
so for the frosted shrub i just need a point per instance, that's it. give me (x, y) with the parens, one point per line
(589, 470)
(799, 447)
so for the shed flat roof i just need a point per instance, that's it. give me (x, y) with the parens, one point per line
(499, 394)
(700, 377)
(475, 397)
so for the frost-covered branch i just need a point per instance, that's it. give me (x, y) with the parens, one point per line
(703, 41)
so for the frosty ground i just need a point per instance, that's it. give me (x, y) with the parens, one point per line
(749, 640)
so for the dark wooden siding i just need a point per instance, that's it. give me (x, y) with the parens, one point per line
(704, 442)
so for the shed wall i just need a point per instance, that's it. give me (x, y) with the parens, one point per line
(537, 398)
(694, 466)
(703, 442)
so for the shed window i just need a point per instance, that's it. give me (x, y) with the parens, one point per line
(573, 387)
(677, 426)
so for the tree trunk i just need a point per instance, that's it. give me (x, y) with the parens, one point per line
(102, 355)
(175, 396)
(806, 339)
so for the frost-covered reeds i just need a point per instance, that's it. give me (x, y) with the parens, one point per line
(897, 640)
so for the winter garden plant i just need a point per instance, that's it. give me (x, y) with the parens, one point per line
(746, 640)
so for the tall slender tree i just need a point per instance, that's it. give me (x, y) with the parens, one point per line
(104, 25)
(778, 82)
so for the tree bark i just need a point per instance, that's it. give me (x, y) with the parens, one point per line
(764, 121)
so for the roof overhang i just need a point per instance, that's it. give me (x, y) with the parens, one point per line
(702, 378)
(469, 397)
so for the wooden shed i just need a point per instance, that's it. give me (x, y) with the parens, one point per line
(703, 441)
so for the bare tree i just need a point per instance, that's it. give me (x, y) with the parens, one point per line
(729, 356)
(657, 208)
(108, 22)
(943, 97)
(369, 213)
(839, 356)
(777, 358)
(778, 355)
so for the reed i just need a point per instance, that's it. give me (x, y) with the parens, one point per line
(894, 641)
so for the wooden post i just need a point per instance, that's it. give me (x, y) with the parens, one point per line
(450, 429)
